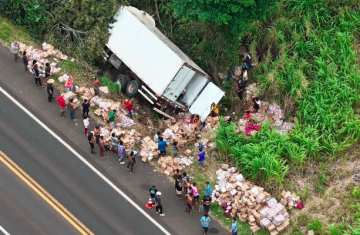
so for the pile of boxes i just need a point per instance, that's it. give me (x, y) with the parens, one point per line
(250, 203)
(168, 165)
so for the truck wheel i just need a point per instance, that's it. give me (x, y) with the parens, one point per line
(132, 88)
(123, 80)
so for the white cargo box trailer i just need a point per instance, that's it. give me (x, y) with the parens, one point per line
(160, 69)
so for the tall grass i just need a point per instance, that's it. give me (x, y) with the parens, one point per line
(312, 58)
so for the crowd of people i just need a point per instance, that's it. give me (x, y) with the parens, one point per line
(183, 184)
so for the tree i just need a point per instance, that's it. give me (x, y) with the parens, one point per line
(232, 15)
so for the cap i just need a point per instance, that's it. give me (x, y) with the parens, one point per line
(50, 81)
(94, 77)
(92, 132)
(158, 193)
(101, 135)
(126, 100)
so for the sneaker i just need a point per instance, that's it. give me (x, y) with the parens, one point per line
(130, 172)
(74, 120)
(127, 168)
(122, 163)
(162, 214)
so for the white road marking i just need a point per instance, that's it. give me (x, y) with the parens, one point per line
(4, 231)
(84, 161)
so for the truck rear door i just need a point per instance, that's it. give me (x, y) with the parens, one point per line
(202, 104)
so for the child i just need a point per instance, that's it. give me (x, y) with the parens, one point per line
(86, 124)
(121, 152)
(174, 148)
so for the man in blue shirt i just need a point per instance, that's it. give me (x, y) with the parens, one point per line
(201, 159)
(205, 220)
(234, 227)
(208, 189)
(162, 146)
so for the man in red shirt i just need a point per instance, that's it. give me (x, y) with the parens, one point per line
(129, 107)
(61, 101)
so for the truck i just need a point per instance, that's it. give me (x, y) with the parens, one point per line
(151, 65)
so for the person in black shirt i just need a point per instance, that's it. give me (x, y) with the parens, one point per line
(37, 75)
(86, 106)
(241, 88)
(152, 192)
(50, 89)
(206, 203)
(47, 71)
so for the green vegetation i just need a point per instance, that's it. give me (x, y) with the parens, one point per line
(316, 65)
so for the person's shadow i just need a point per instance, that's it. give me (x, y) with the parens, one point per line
(213, 231)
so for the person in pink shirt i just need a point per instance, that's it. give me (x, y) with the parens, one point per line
(69, 84)
(195, 193)
(62, 104)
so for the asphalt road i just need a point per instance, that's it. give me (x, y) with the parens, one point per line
(24, 212)
(68, 179)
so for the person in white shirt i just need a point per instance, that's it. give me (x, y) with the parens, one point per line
(156, 137)
(86, 124)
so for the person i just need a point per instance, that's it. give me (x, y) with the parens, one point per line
(234, 227)
(129, 107)
(195, 193)
(112, 118)
(114, 142)
(176, 173)
(91, 138)
(37, 75)
(241, 88)
(71, 106)
(201, 145)
(257, 100)
(247, 61)
(50, 89)
(152, 192)
(184, 179)
(69, 83)
(121, 152)
(229, 120)
(96, 85)
(162, 146)
(15, 50)
(47, 71)
(159, 208)
(205, 220)
(247, 114)
(182, 97)
(188, 187)
(208, 189)
(215, 110)
(178, 187)
(86, 106)
(174, 148)
(102, 146)
(86, 124)
(97, 134)
(201, 159)
(131, 161)
(189, 205)
(206, 203)
(25, 60)
(62, 104)
(156, 137)
(254, 108)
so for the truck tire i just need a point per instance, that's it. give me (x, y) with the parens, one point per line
(132, 88)
(123, 80)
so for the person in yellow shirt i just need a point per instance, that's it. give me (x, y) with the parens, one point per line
(215, 110)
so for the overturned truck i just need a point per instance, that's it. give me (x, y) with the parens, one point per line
(151, 65)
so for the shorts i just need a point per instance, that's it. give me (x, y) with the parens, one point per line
(62, 109)
(206, 208)
(163, 152)
(26, 64)
(153, 200)
(189, 206)
(121, 156)
(234, 233)
(131, 112)
(201, 164)
(92, 145)
(196, 197)
(178, 192)
(112, 125)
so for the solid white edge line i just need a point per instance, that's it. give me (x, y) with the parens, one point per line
(84, 161)
(4, 231)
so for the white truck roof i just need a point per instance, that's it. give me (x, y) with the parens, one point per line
(145, 50)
